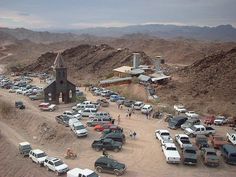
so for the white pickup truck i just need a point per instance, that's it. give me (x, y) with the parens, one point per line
(180, 108)
(199, 130)
(163, 136)
(231, 137)
(81, 172)
(183, 140)
(171, 153)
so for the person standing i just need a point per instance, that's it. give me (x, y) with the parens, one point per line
(134, 134)
(118, 120)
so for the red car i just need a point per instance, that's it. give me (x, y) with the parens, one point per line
(209, 120)
(106, 126)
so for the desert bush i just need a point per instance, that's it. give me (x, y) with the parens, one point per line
(5, 108)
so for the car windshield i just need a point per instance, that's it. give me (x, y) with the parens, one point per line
(190, 151)
(26, 147)
(41, 155)
(211, 153)
(165, 134)
(93, 175)
(58, 163)
(193, 128)
(79, 127)
(171, 149)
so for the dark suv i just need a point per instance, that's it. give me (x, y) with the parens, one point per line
(228, 152)
(108, 165)
(19, 105)
(176, 122)
(116, 136)
(107, 144)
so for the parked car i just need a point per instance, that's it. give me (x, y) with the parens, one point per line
(228, 153)
(191, 114)
(24, 148)
(171, 153)
(19, 105)
(56, 165)
(202, 141)
(103, 102)
(183, 140)
(199, 130)
(107, 144)
(146, 109)
(88, 111)
(72, 114)
(180, 108)
(110, 126)
(62, 119)
(138, 105)
(116, 136)
(114, 98)
(217, 141)
(231, 137)
(77, 172)
(210, 157)
(99, 121)
(128, 103)
(72, 121)
(209, 120)
(220, 120)
(108, 165)
(163, 136)
(79, 129)
(190, 122)
(38, 156)
(189, 155)
(49, 107)
(100, 115)
(176, 122)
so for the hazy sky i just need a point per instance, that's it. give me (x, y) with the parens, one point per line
(72, 14)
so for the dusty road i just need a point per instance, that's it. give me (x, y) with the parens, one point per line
(142, 156)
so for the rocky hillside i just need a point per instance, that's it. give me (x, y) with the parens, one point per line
(88, 61)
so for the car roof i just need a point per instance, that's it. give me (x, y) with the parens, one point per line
(198, 126)
(37, 151)
(170, 145)
(182, 135)
(77, 123)
(54, 159)
(24, 143)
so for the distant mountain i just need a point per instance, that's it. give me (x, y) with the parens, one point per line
(37, 37)
(219, 33)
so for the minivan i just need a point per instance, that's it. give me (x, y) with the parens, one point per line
(99, 121)
(176, 122)
(228, 152)
(190, 122)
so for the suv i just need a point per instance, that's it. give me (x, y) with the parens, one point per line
(107, 144)
(228, 152)
(79, 129)
(19, 105)
(138, 105)
(88, 111)
(176, 122)
(116, 136)
(105, 164)
(99, 121)
(190, 122)
(77, 172)
(24, 148)
(55, 165)
(37, 156)
(146, 109)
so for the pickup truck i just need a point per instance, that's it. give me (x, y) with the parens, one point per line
(180, 108)
(210, 157)
(189, 156)
(163, 136)
(199, 130)
(183, 140)
(231, 137)
(171, 153)
(81, 172)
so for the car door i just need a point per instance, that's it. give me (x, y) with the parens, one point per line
(51, 166)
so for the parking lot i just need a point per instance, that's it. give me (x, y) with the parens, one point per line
(143, 155)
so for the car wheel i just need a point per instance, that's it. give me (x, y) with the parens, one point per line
(117, 173)
(116, 150)
(99, 169)
(97, 149)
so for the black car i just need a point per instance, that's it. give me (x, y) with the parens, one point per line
(108, 165)
(63, 119)
(107, 144)
(228, 152)
(176, 122)
(202, 141)
(19, 105)
(116, 136)
(128, 103)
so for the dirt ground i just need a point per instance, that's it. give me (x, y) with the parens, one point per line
(143, 156)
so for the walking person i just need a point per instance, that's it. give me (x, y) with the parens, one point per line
(134, 134)
(131, 134)
(118, 120)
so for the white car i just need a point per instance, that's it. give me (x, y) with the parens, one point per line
(72, 114)
(79, 129)
(138, 105)
(146, 109)
(72, 121)
(56, 165)
(171, 153)
(163, 136)
(191, 114)
(37, 156)
(220, 120)
(81, 172)
(180, 108)
(87, 112)
(183, 140)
